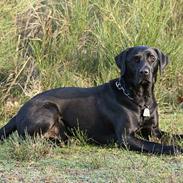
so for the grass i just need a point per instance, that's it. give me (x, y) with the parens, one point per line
(78, 40)
(47, 44)
(29, 149)
(41, 161)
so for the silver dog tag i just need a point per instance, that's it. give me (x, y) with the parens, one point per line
(146, 112)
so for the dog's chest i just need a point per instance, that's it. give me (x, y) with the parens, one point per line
(141, 120)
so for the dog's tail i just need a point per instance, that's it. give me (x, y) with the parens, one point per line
(8, 129)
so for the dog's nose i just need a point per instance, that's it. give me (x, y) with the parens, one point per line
(145, 72)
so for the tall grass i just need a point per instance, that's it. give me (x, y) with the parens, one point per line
(46, 44)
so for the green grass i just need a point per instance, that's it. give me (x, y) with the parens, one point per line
(40, 161)
(78, 40)
(73, 43)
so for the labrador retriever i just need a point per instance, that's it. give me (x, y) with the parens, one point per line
(114, 111)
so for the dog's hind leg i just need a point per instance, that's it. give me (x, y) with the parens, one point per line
(56, 132)
(44, 120)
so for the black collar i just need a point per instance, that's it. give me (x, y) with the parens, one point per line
(121, 86)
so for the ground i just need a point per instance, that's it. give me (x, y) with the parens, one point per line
(81, 162)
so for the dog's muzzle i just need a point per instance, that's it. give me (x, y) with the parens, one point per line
(145, 75)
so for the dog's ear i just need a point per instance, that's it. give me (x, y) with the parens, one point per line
(121, 61)
(163, 60)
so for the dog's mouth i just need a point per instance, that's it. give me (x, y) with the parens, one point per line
(143, 80)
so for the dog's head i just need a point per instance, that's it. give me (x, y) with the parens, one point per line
(139, 64)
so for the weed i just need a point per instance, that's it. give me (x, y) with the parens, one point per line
(28, 149)
(78, 137)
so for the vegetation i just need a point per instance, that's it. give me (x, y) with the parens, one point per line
(52, 43)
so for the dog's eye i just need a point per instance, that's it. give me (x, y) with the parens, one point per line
(152, 58)
(137, 59)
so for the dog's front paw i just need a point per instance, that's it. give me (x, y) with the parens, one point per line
(178, 150)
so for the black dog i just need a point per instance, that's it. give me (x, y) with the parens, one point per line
(113, 111)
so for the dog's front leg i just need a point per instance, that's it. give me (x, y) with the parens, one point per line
(160, 134)
(135, 144)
